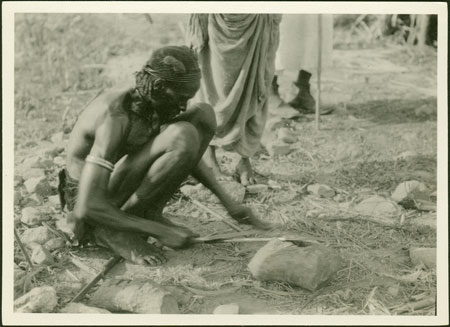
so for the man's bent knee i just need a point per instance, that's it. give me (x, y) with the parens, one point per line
(204, 117)
(182, 139)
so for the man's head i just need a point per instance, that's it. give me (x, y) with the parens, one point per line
(169, 79)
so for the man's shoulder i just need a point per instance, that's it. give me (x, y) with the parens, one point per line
(114, 101)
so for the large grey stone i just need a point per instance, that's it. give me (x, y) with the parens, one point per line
(39, 235)
(230, 308)
(81, 308)
(377, 206)
(308, 267)
(410, 190)
(39, 300)
(321, 190)
(31, 216)
(135, 296)
(41, 255)
(427, 256)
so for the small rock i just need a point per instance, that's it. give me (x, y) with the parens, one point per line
(32, 200)
(257, 188)
(321, 190)
(347, 151)
(339, 198)
(30, 216)
(39, 300)
(33, 173)
(285, 135)
(308, 267)
(136, 296)
(31, 183)
(427, 256)
(377, 205)
(41, 255)
(54, 244)
(43, 189)
(17, 198)
(54, 200)
(406, 155)
(278, 148)
(39, 235)
(81, 308)
(393, 290)
(59, 161)
(424, 222)
(52, 152)
(57, 137)
(227, 309)
(274, 185)
(409, 191)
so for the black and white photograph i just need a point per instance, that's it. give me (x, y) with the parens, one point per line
(192, 163)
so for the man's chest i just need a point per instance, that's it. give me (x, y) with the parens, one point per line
(140, 132)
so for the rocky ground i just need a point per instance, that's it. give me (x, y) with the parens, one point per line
(362, 188)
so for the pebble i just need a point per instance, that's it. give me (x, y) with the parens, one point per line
(41, 255)
(278, 148)
(274, 185)
(410, 190)
(427, 256)
(393, 290)
(339, 198)
(33, 173)
(308, 267)
(286, 135)
(231, 308)
(257, 188)
(30, 216)
(32, 183)
(321, 190)
(43, 189)
(81, 308)
(54, 244)
(59, 161)
(54, 200)
(31, 162)
(39, 235)
(32, 200)
(57, 137)
(41, 299)
(377, 205)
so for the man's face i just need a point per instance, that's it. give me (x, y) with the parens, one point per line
(171, 100)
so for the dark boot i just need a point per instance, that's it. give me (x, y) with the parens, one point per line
(303, 101)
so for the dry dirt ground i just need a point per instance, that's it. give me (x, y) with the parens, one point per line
(385, 104)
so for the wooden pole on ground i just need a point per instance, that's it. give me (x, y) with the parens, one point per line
(319, 68)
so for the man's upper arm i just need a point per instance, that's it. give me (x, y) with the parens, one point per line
(109, 139)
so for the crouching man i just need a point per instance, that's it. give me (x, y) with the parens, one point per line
(130, 150)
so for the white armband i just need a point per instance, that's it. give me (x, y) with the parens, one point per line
(99, 161)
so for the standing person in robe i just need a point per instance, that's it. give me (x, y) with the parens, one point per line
(237, 58)
(298, 52)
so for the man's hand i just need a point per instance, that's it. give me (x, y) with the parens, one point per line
(72, 227)
(245, 215)
(178, 237)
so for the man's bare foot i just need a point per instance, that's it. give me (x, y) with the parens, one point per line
(130, 246)
(245, 172)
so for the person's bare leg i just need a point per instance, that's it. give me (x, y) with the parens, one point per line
(245, 172)
(210, 159)
(144, 182)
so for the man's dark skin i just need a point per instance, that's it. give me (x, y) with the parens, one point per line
(128, 202)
